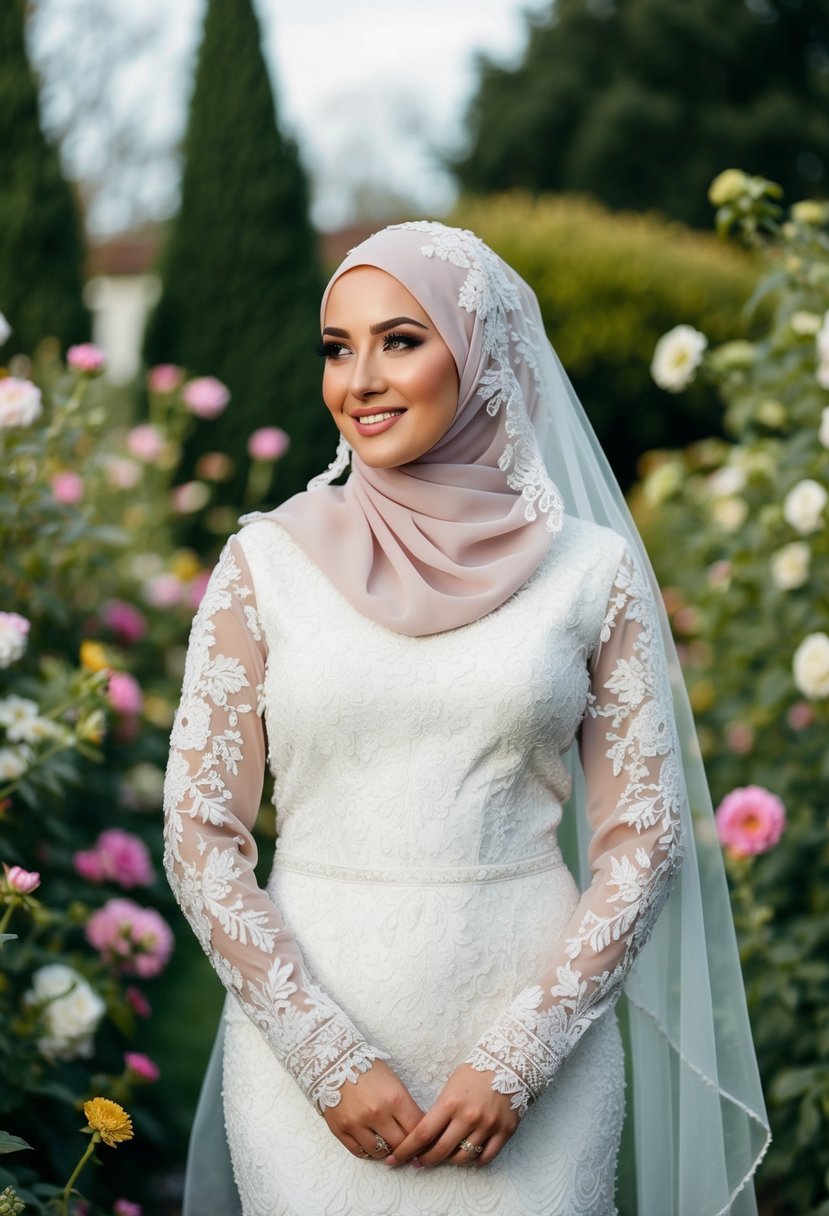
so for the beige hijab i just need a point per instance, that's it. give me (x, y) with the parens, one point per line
(442, 541)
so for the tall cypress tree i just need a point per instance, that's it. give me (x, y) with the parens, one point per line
(241, 280)
(642, 102)
(42, 249)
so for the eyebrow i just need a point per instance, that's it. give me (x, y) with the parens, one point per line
(379, 328)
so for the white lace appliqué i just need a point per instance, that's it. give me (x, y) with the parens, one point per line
(205, 807)
(616, 915)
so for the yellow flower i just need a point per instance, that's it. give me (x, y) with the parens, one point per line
(809, 211)
(727, 187)
(184, 565)
(110, 1120)
(93, 656)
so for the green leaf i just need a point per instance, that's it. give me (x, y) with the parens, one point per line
(792, 1083)
(12, 1144)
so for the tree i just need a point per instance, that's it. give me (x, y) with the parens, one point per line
(41, 234)
(241, 283)
(642, 102)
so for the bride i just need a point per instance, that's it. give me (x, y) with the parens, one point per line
(492, 818)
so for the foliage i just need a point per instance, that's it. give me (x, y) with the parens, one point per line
(41, 240)
(241, 284)
(639, 102)
(739, 533)
(96, 603)
(608, 286)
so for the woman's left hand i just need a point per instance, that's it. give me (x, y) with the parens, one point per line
(467, 1108)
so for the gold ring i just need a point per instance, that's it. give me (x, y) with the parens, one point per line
(383, 1146)
(473, 1150)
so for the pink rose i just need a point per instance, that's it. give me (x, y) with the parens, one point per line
(750, 820)
(163, 590)
(88, 359)
(118, 856)
(205, 396)
(268, 443)
(164, 378)
(139, 1004)
(137, 939)
(145, 442)
(67, 488)
(740, 738)
(142, 1066)
(14, 637)
(124, 694)
(21, 881)
(21, 402)
(127, 622)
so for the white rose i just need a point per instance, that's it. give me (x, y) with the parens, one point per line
(729, 513)
(5, 330)
(726, 481)
(823, 431)
(790, 565)
(20, 402)
(677, 356)
(803, 506)
(13, 762)
(805, 323)
(811, 665)
(72, 1014)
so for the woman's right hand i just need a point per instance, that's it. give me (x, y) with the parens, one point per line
(378, 1103)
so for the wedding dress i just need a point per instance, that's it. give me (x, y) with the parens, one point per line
(419, 909)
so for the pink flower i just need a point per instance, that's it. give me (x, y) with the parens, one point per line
(205, 396)
(138, 1002)
(800, 715)
(197, 588)
(21, 402)
(124, 1207)
(138, 939)
(122, 473)
(142, 1066)
(124, 693)
(740, 738)
(127, 622)
(164, 378)
(163, 590)
(750, 820)
(14, 637)
(118, 856)
(88, 359)
(268, 443)
(21, 881)
(145, 442)
(189, 497)
(67, 488)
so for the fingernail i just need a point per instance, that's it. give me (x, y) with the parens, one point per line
(416, 1165)
(391, 1161)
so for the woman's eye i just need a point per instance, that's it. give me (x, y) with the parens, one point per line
(330, 350)
(401, 342)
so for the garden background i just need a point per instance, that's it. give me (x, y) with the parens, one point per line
(658, 172)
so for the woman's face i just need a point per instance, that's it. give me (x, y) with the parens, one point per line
(390, 381)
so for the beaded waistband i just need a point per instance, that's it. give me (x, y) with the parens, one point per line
(420, 875)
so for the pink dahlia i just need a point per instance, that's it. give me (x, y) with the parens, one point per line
(750, 820)
(205, 396)
(116, 856)
(127, 622)
(124, 693)
(87, 358)
(137, 938)
(142, 1067)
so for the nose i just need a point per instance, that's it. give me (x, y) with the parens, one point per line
(367, 379)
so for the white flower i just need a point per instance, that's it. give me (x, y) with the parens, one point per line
(14, 636)
(726, 481)
(13, 762)
(803, 506)
(822, 340)
(5, 330)
(14, 710)
(20, 402)
(790, 565)
(72, 1014)
(729, 513)
(677, 356)
(663, 482)
(811, 665)
(823, 430)
(805, 323)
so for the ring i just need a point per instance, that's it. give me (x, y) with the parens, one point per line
(363, 1153)
(474, 1150)
(382, 1145)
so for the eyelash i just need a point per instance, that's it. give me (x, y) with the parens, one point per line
(329, 350)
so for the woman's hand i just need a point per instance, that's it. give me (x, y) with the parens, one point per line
(378, 1103)
(467, 1108)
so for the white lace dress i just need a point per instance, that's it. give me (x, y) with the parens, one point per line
(419, 909)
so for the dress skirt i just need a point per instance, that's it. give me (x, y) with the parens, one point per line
(423, 961)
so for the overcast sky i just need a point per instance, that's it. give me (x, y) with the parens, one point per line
(371, 88)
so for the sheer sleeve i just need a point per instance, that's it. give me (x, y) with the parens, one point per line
(212, 793)
(630, 755)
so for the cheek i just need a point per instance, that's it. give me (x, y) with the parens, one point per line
(436, 383)
(332, 393)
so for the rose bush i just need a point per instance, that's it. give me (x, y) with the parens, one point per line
(739, 532)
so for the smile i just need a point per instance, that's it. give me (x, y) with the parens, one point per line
(373, 424)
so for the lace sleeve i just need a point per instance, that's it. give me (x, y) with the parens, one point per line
(629, 752)
(212, 792)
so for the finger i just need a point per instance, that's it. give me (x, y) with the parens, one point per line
(351, 1144)
(492, 1147)
(461, 1156)
(445, 1145)
(427, 1130)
